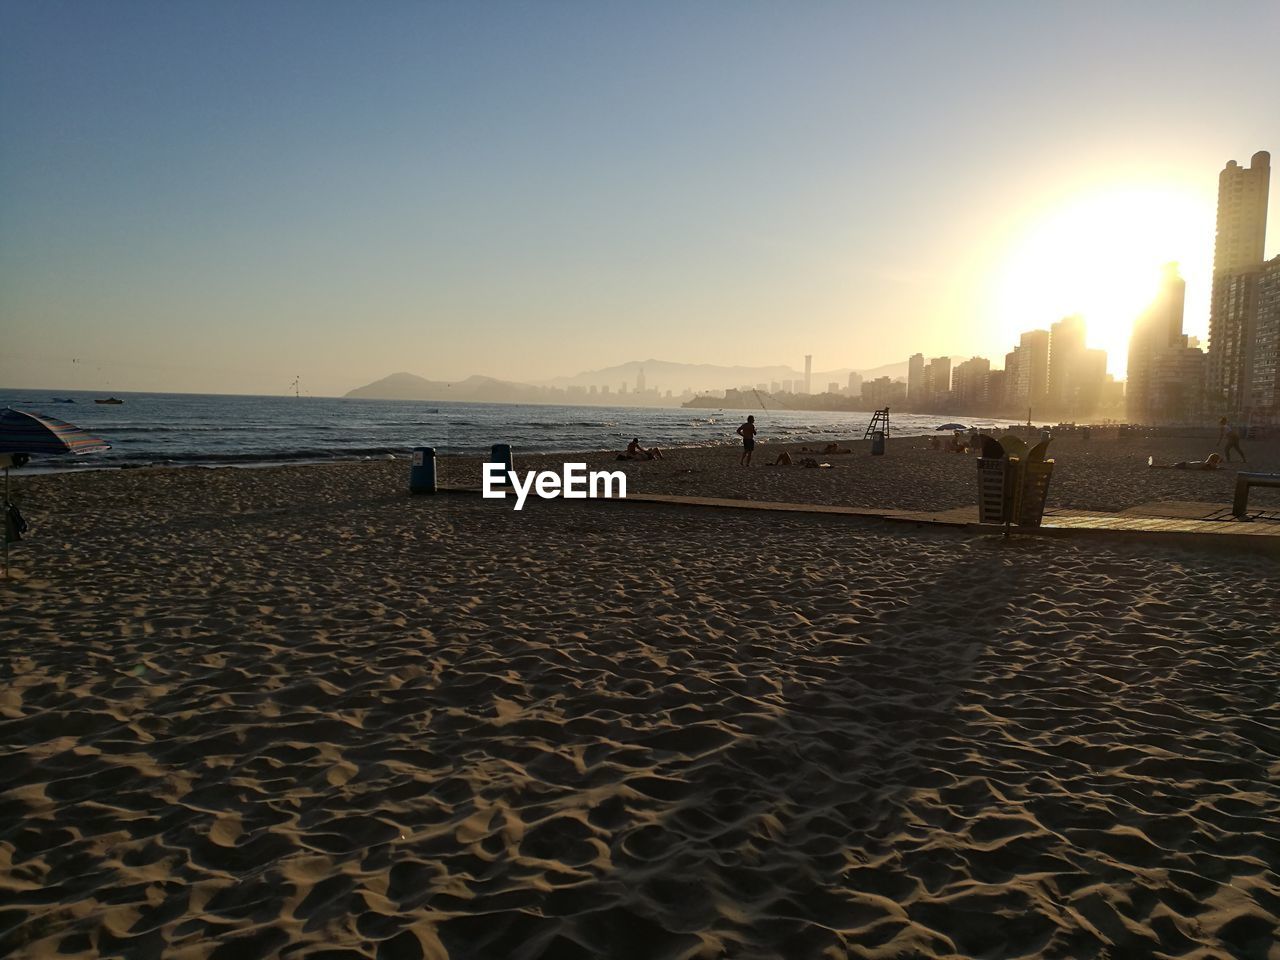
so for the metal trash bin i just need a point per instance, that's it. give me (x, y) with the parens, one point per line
(877, 443)
(994, 488)
(501, 453)
(422, 470)
(1033, 491)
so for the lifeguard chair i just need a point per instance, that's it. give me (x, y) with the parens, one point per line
(879, 423)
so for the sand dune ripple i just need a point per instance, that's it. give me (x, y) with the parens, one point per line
(434, 728)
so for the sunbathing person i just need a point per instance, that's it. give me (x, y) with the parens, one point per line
(784, 460)
(1211, 462)
(637, 452)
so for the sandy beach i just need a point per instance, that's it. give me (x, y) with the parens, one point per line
(297, 712)
(1096, 474)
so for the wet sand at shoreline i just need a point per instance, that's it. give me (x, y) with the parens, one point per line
(283, 712)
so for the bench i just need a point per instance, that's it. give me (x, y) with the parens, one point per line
(1246, 480)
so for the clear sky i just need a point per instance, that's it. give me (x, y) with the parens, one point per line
(220, 196)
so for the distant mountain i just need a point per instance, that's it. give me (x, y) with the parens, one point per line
(659, 376)
(407, 386)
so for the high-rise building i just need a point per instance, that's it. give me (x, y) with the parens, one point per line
(969, 382)
(1231, 318)
(1157, 333)
(883, 392)
(1175, 386)
(1242, 214)
(1111, 400)
(1091, 375)
(1066, 350)
(1033, 369)
(1011, 396)
(640, 381)
(808, 372)
(1264, 378)
(915, 378)
(1237, 258)
(996, 381)
(855, 384)
(937, 380)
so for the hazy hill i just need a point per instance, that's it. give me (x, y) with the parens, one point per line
(408, 386)
(661, 375)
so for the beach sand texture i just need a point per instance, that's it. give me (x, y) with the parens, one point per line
(1097, 474)
(295, 712)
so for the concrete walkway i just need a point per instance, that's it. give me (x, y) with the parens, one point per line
(1174, 522)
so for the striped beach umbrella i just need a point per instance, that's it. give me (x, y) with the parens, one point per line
(32, 433)
(23, 432)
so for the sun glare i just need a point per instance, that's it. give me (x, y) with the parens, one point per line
(1100, 254)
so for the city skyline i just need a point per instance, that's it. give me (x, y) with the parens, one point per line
(215, 199)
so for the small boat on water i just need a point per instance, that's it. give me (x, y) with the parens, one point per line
(62, 399)
(111, 400)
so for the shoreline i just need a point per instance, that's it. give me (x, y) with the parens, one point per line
(1101, 433)
(1096, 474)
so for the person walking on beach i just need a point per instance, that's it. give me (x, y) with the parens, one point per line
(748, 434)
(1233, 443)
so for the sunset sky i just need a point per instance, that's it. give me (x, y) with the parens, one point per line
(218, 197)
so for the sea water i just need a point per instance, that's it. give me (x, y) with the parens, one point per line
(196, 429)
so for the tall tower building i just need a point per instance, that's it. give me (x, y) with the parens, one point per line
(937, 379)
(969, 382)
(1091, 374)
(1011, 397)
(1242, 214)
(1237, 258)
(808, 372)
(1066, 351)
(1033, 369)
(915, 378)
(640, 381)
(1265, 370)
(1156, 334)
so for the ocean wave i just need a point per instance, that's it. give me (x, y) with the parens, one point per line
(180, 430)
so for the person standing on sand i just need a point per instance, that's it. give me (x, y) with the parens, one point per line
(1233, 443)
(748, 434)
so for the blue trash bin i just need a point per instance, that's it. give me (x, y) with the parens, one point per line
(422, 472)
(877, 443)
(501, 453)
